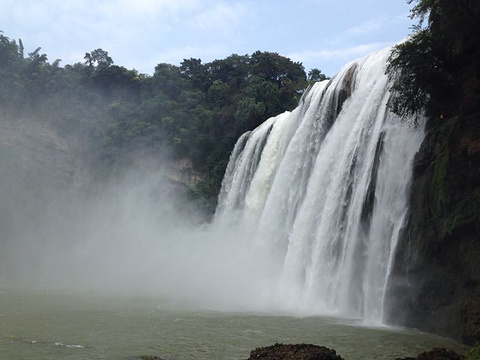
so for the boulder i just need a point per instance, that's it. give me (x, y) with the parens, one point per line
(436, 354)
(294, 352)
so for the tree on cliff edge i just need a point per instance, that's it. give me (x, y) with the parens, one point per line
(430, 68)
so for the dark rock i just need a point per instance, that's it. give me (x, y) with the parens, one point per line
(435, 282)
(470, 319)
(294, 352)
(436, 354)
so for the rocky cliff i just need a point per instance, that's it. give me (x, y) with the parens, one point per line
(35, 150)
(436, 281)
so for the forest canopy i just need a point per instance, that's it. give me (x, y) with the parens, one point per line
(195, 110)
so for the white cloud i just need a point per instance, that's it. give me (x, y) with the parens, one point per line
(371, 28)
(222, 17)
(151, 31)
(365, 28)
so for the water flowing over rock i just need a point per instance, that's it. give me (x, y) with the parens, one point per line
(323, 192)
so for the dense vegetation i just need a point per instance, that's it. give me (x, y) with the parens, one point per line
(437, 64)
(194, 111)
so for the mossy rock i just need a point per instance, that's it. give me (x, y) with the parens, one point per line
(474, 354)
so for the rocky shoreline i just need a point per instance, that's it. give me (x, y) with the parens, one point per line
(316, 352)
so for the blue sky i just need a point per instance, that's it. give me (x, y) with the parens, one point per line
(139, 34)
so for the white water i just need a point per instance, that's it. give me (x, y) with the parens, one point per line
(322, 192)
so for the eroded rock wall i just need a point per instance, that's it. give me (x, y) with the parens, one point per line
(436, 280)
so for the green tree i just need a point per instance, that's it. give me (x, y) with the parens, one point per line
(315, 75)
(98, 57)
(194, 70)
(219, 93)
(168, 80)
(233, 70)
(248, 114)
(429, 69)
(277, 68)
(12, 88)
(194, 110)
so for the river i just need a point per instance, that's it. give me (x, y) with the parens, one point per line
(41, 324)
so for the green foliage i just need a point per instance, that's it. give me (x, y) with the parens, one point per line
(438, 182)
(219, 93)
(426, 69)
(474, 354)
(194, 110)
(411, 68)
(315, 75)
(438, 191)
(464, 212)
(98, 57)
(247, 113)
(201, 194)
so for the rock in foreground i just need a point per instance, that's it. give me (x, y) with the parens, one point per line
(294, 352)
(436, 354)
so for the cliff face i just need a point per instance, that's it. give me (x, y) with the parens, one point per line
(40, 169)
(183, 172)
(31, 149)
(436, 280)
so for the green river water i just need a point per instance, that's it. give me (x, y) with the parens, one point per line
(52, 325)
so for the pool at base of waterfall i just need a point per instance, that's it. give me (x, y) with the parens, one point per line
(41, 324)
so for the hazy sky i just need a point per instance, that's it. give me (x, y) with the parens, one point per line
(142, 33)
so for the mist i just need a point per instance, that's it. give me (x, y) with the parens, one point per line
(132, 234)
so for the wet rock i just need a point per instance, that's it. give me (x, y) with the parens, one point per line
(436, 275)
(470, 318)
(436, 354)
(294, 352)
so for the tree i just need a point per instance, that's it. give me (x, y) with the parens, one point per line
(428, 70)
(315, 75)
(21, 49)
(194, 70)
(168, 79)
(233, 70)
(219, 93)
(195, 110)
(249, 114)
(12, 87)
(98, 57)
(276, 68)
(117, 82)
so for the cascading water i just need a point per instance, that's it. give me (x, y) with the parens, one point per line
(323, 192)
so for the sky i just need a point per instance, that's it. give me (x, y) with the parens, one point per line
(139, 34)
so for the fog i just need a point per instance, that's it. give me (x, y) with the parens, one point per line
(133, 234)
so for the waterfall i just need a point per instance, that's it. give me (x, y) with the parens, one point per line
(323, 191)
